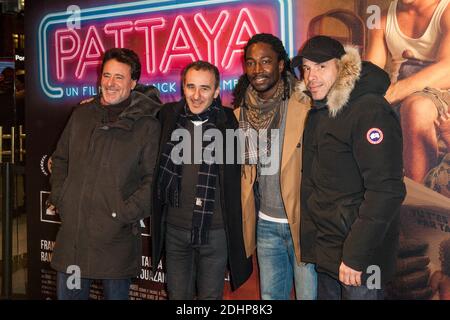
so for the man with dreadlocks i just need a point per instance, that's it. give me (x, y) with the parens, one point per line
(266, 100)
(196, 215)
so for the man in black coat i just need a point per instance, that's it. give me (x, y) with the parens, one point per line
(101, 181)
(197, 211)
(352, 183)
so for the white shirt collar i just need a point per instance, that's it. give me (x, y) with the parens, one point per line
(198, 123)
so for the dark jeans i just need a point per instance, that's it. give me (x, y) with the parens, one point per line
(113, 289)
(332, 289)
(189, 268)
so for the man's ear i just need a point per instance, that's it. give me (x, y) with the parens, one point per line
(133, 84)
(216, 93)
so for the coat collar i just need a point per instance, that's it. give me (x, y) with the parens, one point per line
(178, 107)
(140, 106)
(295, 117)
(349, 73)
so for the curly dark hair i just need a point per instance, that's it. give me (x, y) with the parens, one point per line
(444, 256)
(126, 56)
(278, 47)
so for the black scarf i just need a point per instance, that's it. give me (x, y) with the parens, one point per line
(169, 179)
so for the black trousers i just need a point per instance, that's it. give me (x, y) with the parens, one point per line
(330, 288)
(195, 271)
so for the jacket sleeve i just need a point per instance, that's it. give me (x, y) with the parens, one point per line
(137, 206)
(60, 164)
(377, 148)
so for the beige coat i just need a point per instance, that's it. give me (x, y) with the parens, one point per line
(291, 163)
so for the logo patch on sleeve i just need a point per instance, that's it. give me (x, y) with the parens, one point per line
(374, 136)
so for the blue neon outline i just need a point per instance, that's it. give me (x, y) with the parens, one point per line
(136, 8)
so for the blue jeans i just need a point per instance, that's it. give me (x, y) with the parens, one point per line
(332, 289)
(113, 289)
(190, 268)
(278, 268)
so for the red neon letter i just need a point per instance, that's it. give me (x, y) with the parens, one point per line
(236, 45)
(91, 52)
(65, 54)
(149, 26)
(175, 49)
(118, 29)
(212, 34)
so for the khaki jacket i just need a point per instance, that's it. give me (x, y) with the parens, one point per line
(291, 164)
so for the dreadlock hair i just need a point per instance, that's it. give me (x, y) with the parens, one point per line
(278, 47)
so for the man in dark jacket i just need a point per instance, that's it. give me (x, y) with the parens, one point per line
(352, 185)
(101, 183)
(197, 211)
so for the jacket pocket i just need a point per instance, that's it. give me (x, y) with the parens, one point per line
(106, 228)
(122, 209)
(348, 215)
(109, 215)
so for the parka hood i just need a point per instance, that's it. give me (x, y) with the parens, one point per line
(140, 106)
(355, 79)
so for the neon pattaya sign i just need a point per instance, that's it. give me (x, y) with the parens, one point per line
(167, 35)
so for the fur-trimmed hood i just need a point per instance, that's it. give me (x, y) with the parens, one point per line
(355, 78)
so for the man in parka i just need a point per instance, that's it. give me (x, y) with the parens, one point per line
(352, 182)
(101, 182)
